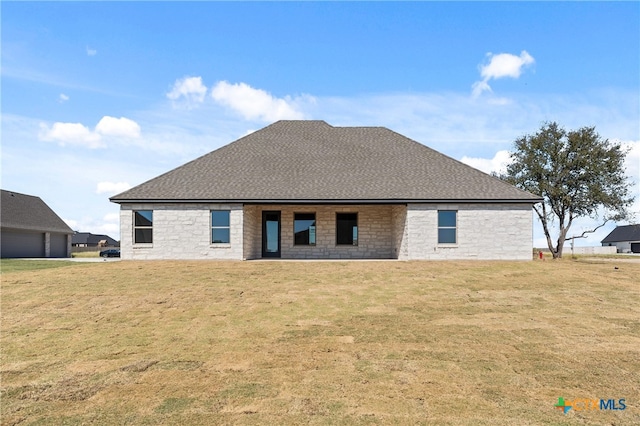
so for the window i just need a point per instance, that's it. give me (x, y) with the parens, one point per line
(220, 227)
(143, 226)
(347, 229)
(447, 222)
(304, 229)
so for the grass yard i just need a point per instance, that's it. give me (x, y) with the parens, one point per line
(13, 265)
(86, 254)
(452, 343)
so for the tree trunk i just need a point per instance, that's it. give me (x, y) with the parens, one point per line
(543, 218)
(562, 238)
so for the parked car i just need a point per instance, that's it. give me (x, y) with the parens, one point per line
(110, 253)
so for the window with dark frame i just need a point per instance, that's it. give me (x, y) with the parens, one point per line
(447, 226)
(143, 226)
(220, 227)
(304, 229)
(347, 229)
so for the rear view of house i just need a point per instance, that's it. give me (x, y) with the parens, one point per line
(29, 228)
(306, 189)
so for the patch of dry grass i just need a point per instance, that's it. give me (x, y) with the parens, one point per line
(320, 343)
(86, 254)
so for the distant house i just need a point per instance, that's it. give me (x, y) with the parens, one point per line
(626, 239)
(306, 189)
(87, 239)
(29, 228)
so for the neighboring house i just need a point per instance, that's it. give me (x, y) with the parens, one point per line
(306, 189)
(626, 239)
(87, 239)
(29, 228)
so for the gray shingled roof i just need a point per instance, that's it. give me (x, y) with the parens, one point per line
(27, 212)
(91, 239)
(623, 233)
(311, 161)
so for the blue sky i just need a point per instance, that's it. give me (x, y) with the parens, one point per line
(101, 96)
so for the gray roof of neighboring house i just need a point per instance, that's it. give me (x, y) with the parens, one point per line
(92, 239)
(623, 233)
(312, 161)
(27, 212)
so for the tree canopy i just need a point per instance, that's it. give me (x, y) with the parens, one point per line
(576, 172)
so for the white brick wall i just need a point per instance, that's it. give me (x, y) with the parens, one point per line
(181, 231)
(488, 231)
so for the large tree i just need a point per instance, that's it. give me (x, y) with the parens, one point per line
(577, 173)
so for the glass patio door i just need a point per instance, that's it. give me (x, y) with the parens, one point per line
(270, 234)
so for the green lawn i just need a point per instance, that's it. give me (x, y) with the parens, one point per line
(14, 265)
(319, 342)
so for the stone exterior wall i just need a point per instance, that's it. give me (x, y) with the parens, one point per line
(399, 232)
(181, 231)
(484, 231)
(406, 232)
(374, 232)
(252, 232)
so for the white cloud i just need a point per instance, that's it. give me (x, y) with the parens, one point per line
(91, 52)
(81, 135)
(112, 188)
(70, 133)
(188, 91)
(112, 217)
(496, 164)
(110, 229)
(505, 65)
(122, 126)
(500, 101)
(63, 98)
(499, 66)
(480, 86)
(111, 225)
(87, 224)
(256, 103)
(73, 224)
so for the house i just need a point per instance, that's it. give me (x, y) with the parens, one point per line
(29, 228)
(87, 239)
(306, 189)
(626, 239)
